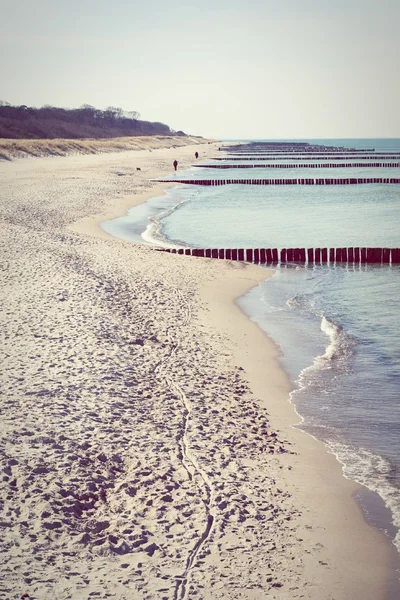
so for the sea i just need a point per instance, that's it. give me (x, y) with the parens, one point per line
(337, 325)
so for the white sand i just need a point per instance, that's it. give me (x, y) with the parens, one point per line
(146, 440)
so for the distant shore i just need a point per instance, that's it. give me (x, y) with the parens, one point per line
(149, 441)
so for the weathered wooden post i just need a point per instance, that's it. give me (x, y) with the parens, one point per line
(262, 255)
(317, 255)
(395, 255)
(234, 254)
(249, 255)
(363, 255)
(324, 255)
(228, 254)
(310, 255)
(374, 255)
(268, 253)
(386, 256)
(275, 255)
(332, 255)
(256, 257)
(221, 253)
(289, 254)
(214, 253)
(240, 254)
(283, 255)
(208, 253)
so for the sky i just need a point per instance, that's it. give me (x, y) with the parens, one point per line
(217, 68)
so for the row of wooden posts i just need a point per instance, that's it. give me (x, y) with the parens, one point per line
(262, 147)
(364, 157)
(307, 153)
(303, 256)
(299, 165)
(289, 181)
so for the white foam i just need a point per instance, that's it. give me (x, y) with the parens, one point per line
(372, 471)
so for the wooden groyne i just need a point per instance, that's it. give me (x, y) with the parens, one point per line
(304, 256)
(253, 158)
(326, 151)
(300, 166)
(309, 154)
(288, 181)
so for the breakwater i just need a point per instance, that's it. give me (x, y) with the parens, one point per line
(300, 165)
(386, 156)
(288, 181)
(304, 256)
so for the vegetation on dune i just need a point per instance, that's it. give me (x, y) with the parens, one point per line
(50, 122)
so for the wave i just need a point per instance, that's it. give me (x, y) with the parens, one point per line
(153, 233)
(375, 473)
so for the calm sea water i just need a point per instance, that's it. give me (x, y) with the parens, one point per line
(337, 327)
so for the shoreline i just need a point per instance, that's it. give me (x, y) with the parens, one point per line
(303, 548)
(354, 488)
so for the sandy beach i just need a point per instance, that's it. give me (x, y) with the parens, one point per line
(147, 441)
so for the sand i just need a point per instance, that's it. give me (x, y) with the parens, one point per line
(147, 448)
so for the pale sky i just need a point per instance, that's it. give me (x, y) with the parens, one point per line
(216, 68)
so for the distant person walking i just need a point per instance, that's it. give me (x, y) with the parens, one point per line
(196, 155)
(175, 163)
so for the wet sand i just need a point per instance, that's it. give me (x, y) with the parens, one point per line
(147, 446)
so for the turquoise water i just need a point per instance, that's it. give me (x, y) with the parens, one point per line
(337, 327)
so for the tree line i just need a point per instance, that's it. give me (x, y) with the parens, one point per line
(50, 122)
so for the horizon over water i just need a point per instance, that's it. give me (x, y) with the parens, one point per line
(336, 326)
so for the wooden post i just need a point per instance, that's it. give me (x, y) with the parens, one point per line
(268, 255)
(188, 251)
(289, 254)
(338, 255)
(262, 255)
(214, 253)
(201, 252)
(221, 253)
(256, 257)
(317, 255)
(249, 255)
(395, 254)
(310, 255)
(324, 255)
(302, 255)
(240, 254)
(208, 253)
(374, 255)
(332, 255)
(344, 255)
(350, 255)
(228, 254)
(386, 256)
(275, 256)
(283, 255)
(356, 255)
(234, 254)
(363, 255)
(180, 251)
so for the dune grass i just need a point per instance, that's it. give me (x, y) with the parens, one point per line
(11, 149)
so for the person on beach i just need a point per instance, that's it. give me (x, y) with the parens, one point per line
(196, 154)
(175, 163)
